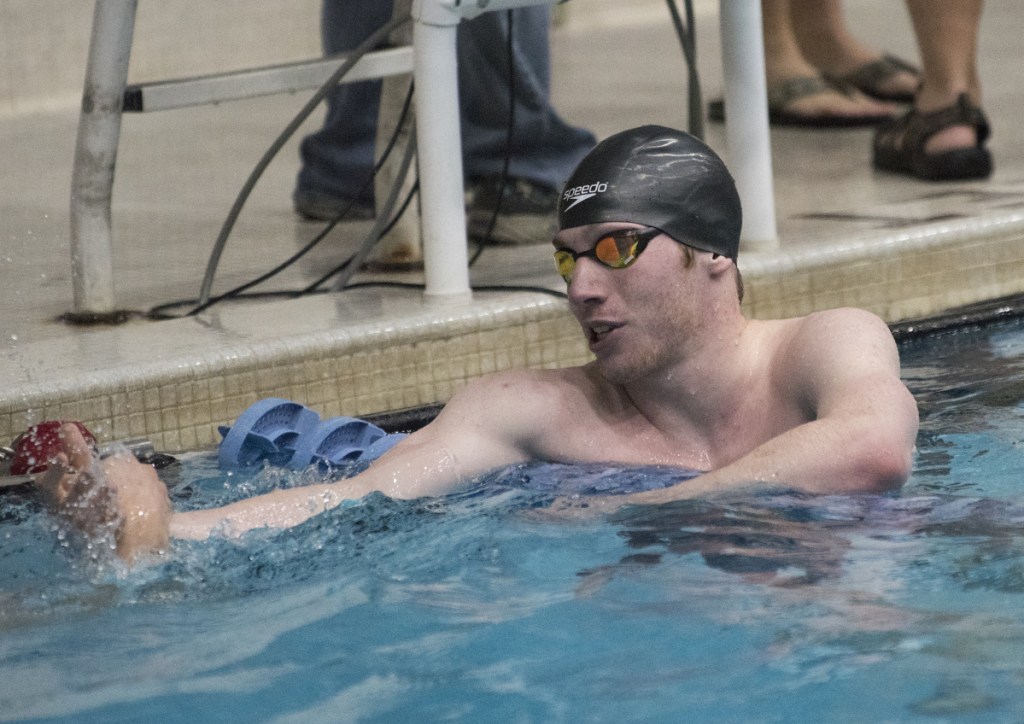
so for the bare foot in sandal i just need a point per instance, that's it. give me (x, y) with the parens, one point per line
(952, 137)
(820, 31)
(881, 76)
(884, 77)
(940, 145)
(810, 101)
(798, 95)
(813, 101)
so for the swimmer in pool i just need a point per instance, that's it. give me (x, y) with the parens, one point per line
(649, 235)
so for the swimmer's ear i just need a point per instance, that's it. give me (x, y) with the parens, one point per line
(719, 264)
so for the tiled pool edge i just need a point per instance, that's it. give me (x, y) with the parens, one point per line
(178, 403)
(911, 274)
(421, 353)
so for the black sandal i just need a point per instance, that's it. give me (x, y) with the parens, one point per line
(899, 144)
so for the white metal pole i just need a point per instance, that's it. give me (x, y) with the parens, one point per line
(746, 126)
(439, 145)
(92, 180)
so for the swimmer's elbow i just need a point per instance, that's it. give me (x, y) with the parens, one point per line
(888, 469)
(872, 459)
(894, 458)
(881, 464)
(885, 446)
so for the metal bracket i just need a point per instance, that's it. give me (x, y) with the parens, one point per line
(285, 78)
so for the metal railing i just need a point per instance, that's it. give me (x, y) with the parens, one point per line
(432, 60)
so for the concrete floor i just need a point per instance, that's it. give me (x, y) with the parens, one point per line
(848, 235)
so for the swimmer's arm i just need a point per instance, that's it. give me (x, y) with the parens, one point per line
(121, 495)
(846, 366)
(414, 468)
(852, 454)
(861, 439)
(466, 440)
(826, 456)
(126, 497)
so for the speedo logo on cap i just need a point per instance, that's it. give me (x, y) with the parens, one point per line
(579, 194)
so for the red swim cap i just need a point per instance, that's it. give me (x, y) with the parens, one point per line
(37, 446)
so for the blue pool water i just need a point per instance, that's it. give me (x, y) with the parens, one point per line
(477, 607)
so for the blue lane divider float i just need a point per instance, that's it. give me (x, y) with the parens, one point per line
(289, 434)
(334, 442)
(267, 430)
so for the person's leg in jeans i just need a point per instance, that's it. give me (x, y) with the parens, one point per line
(337, 160)
(544, 148)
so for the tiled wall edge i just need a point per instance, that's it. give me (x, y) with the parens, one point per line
(898, 276)
(880, 245)
(179, 406)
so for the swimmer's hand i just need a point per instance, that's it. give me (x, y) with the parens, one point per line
(587, 507)
(117, 494)
(582, 507)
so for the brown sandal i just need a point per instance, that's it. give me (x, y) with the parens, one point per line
(782, 94)
(870, 77)
(899, 144)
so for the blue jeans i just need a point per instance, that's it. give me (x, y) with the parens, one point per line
(338, 159)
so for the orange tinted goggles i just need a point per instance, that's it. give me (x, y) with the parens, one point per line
(616, 250)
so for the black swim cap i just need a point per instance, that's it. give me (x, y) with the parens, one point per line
(658, 177)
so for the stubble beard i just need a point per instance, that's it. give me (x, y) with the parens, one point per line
(634, 365)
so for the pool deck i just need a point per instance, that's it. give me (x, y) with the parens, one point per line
(848, 236)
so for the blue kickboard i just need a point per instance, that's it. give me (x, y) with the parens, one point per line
(335, 441)
(268, 430)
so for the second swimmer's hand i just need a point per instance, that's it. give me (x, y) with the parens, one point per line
(118, 494)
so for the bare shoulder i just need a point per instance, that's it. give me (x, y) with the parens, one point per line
(844, 323)
(848, 335)
(535, 391)
(845, 359)
(850, 318)
(522, 406)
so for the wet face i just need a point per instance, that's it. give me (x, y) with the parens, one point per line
(636, 319)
